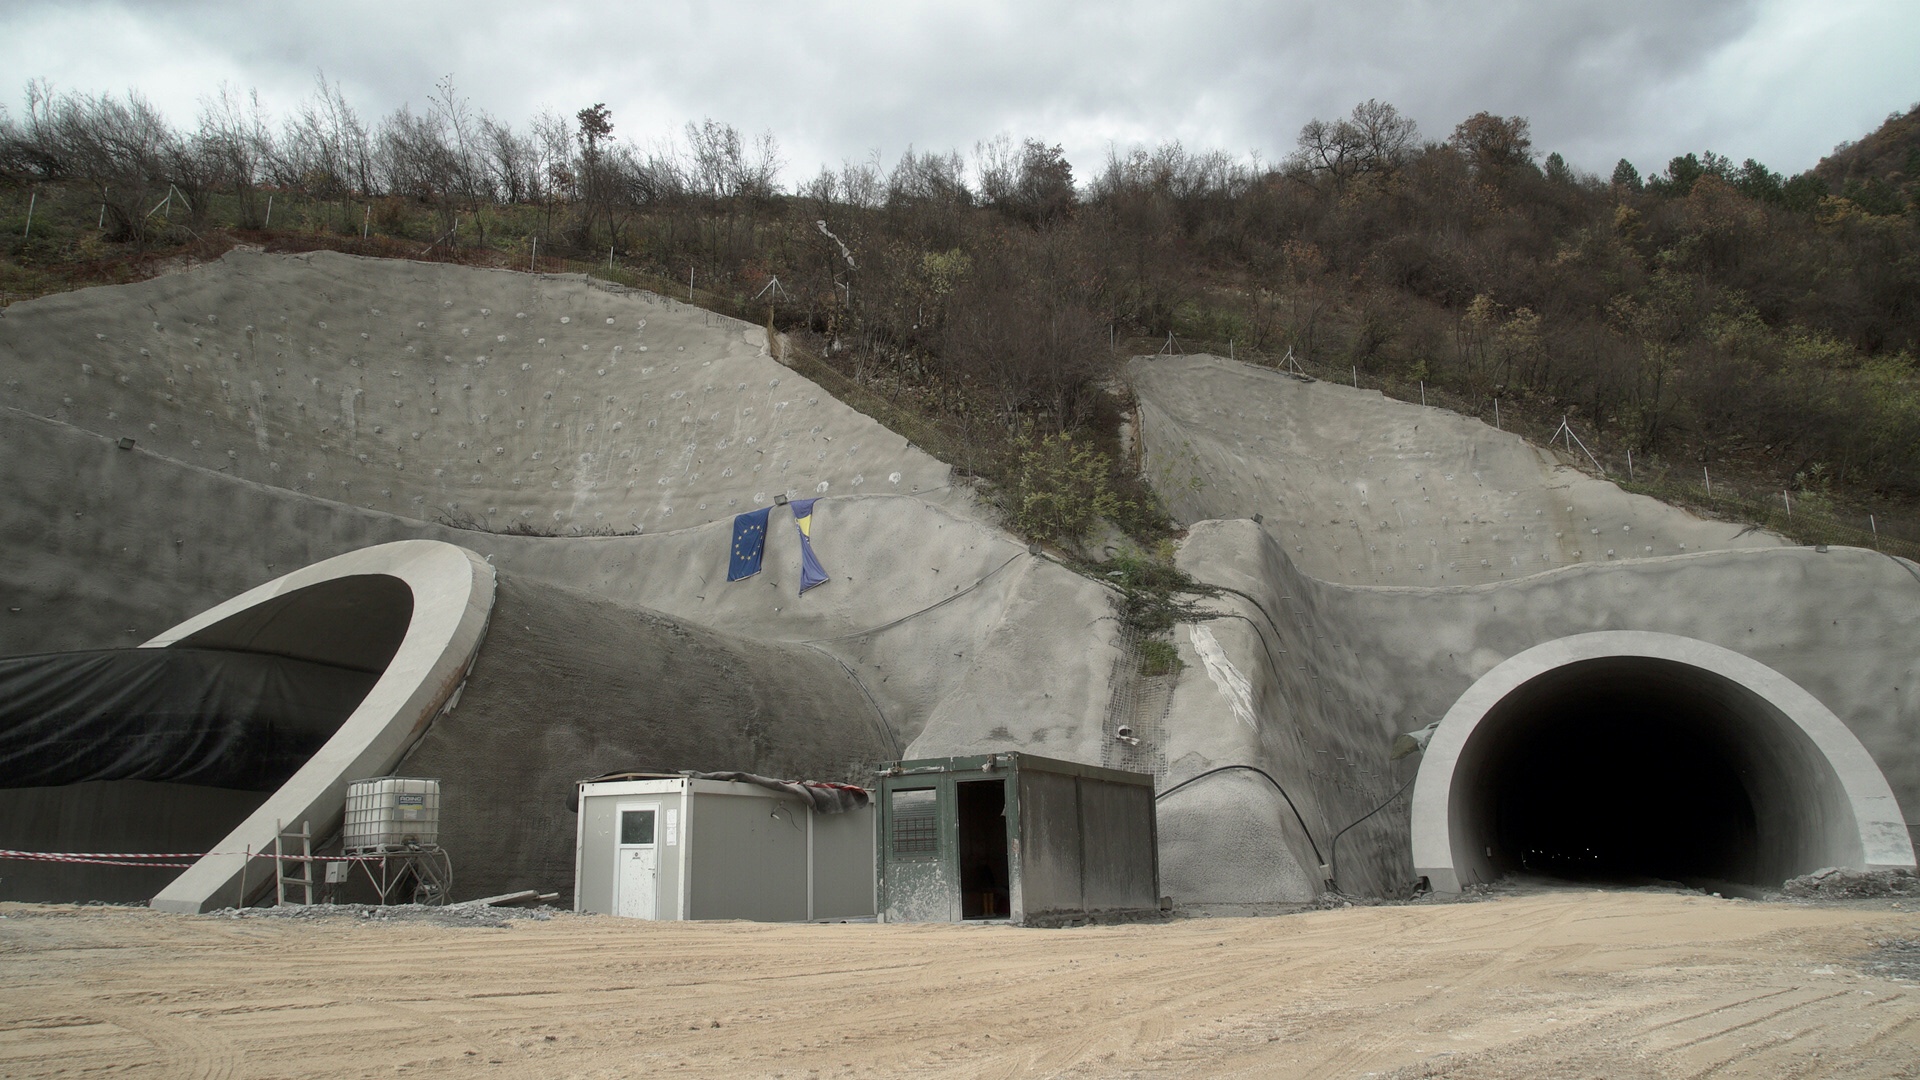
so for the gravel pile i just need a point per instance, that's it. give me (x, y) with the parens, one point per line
(473, 915)
(1833, 883)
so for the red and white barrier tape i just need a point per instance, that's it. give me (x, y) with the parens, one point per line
(143, 859)
(96, 859)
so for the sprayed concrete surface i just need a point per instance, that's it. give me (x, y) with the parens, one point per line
(937, 633)
(1335, 672)
(417, 388)
(1404, 552)
(1365, 490)
(1629, 985)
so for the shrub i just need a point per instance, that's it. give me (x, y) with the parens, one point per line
(1060, 489)
(1158, 657)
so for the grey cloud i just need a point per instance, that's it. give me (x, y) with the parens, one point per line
(1598, 78)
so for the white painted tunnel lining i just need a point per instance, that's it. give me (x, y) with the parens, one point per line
(1883, 838)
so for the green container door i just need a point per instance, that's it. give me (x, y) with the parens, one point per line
(919, 882)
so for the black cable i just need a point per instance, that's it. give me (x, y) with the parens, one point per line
(942, 602)
(1270, 780)
(1271, 659)
(1333, 868)
(886, 726)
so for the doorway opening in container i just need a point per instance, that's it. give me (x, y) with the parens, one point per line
(982, 840)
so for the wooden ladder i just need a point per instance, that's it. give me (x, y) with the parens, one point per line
(305, 880)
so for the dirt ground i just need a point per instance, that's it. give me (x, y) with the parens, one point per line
(1568, 983)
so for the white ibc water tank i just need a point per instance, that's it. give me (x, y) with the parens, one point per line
(391, 813)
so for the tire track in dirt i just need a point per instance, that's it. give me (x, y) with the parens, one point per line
(1577, 983)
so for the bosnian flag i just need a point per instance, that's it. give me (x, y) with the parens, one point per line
(811, 573)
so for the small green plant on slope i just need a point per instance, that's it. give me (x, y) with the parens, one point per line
(1060, 489)
(1159, 657)
(1154, 593)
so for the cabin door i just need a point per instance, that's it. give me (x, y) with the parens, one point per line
(637, 877)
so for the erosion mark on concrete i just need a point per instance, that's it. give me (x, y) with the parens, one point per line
(1233, 685)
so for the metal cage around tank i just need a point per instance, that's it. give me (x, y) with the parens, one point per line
(391, 827)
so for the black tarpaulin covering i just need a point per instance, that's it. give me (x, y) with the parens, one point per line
(210, 717)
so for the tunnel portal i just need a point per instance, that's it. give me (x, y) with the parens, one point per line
(1673, 761)
(1635, 770)
(168, 749)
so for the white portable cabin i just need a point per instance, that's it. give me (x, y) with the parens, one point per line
(685, 848)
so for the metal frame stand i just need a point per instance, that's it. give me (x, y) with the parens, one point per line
(425, 866)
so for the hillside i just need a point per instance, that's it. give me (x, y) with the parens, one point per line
(1881, 170)
(1726, 338)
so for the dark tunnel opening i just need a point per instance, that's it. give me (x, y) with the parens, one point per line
(167, 749)
(1633, 770)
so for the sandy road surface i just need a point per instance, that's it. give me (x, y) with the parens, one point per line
(1556, 984)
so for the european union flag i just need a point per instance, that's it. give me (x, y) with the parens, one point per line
(811, 572)
(749, 544)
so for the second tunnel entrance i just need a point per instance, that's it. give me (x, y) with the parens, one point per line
(1638, 769)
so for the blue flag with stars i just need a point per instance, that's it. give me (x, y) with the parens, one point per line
(749, 544)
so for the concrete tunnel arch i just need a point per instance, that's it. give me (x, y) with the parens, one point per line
(1681, 758)
(341, 610)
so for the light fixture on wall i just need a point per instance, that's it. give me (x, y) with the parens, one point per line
(1413, 742)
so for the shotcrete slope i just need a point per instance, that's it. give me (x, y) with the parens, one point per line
(1404, 553)
(936, 633)
(948, 621)
(288, 408)
(426, 390)
(1334, 672)
(1365, 490)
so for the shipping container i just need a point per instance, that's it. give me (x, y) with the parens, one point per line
(678, 847)
(1030, 840)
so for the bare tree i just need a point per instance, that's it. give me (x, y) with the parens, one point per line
(234, 136)
(122, 149)
(996, 165)
(418, 162)
(929, 177)
(726, 166)
(324, 148)
(511, 160)
(555, 168)
(462, 131)
(1374, 138)
(862, 184)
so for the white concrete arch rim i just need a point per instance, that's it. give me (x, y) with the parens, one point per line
(1876, 816)
(453, 594)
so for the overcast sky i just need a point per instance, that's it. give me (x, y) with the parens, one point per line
(1778, 80)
